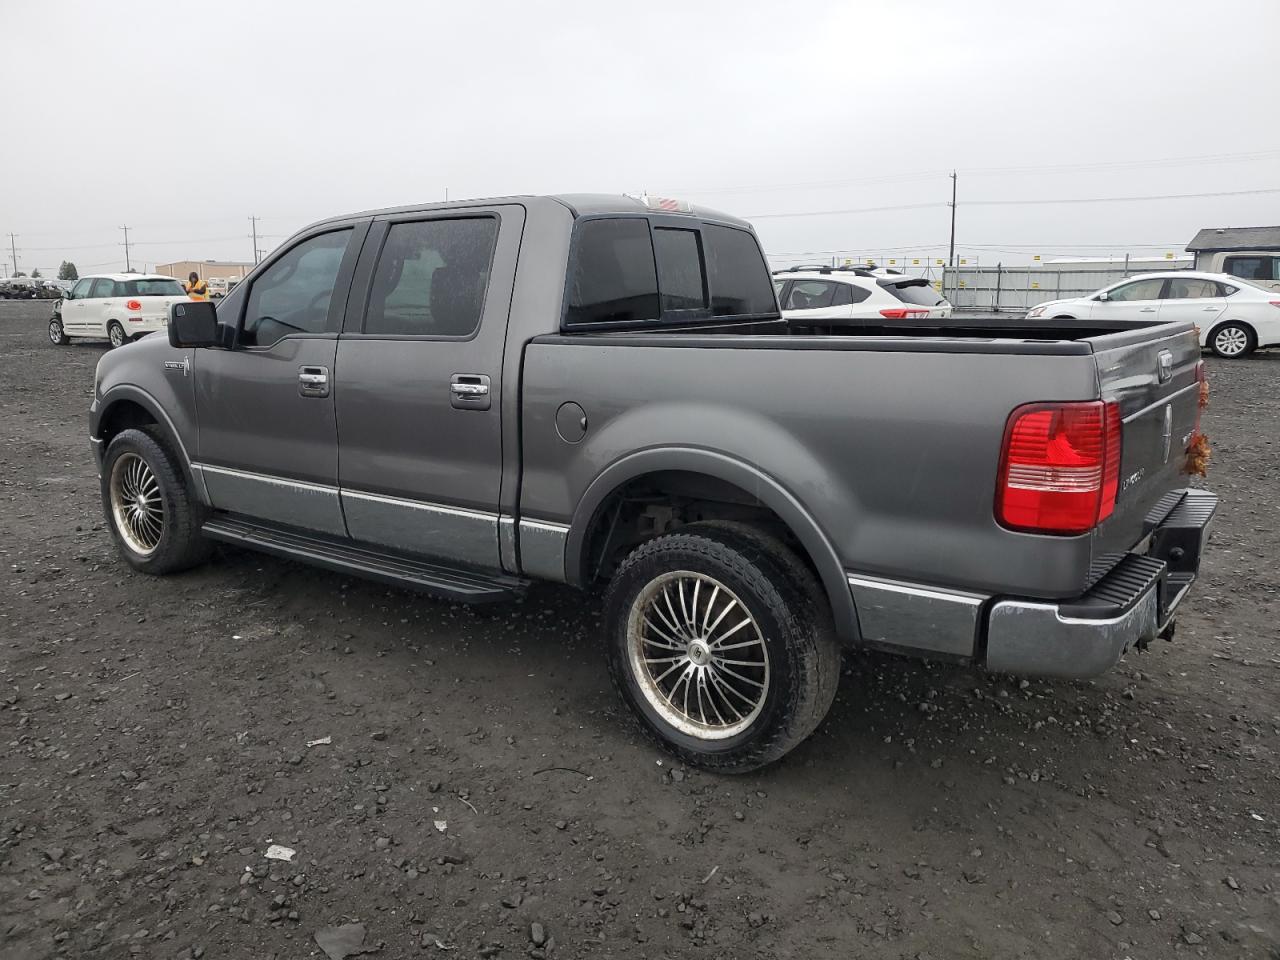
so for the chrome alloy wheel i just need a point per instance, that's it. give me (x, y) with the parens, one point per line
(698, 655)
(1230, 341)
(55, 331)
(115, 333)
(136, 506)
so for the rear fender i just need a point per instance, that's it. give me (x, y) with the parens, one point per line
(743, 475)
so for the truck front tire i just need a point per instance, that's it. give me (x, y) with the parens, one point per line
(153, 517)
(718, 647)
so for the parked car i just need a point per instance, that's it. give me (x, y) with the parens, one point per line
(822, 297)
(466, 397)
(1234, 317)
(18, 288)
(118, 307)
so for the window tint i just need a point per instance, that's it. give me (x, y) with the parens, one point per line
(431, 278)
(103, 288)
(736, 273)
(81, 290)
(1253, 268)
(919, 292)
(843, 295)
(810, 295)
(292, 295)
(680, 279)
(1138, 290)
(151, 288)
(1191, 288)
(613, 275)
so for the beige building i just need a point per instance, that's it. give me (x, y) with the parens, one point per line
(207, 269)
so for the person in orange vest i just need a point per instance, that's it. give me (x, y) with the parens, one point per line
(196, 288)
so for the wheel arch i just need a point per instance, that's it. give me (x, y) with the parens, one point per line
(1222, 322)
(127, 406)
(751, 482)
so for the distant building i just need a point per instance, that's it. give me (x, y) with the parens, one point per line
(207, 269)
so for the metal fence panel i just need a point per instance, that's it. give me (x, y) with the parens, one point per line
(1018, 289)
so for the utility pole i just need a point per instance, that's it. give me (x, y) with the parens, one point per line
(951, 255)
(128, 266)
(254, 222)
(13, 251)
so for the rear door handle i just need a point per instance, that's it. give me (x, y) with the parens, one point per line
(1147, 310)
(313, 381)
(469, 391)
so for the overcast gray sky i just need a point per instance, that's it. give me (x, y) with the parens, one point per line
(182, 119)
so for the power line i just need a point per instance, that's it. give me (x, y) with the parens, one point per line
(1016, 203)
(991, 171)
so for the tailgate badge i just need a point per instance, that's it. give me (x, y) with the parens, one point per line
(1167, 436)
(1164, 366)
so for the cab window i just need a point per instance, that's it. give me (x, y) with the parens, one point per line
(81, 290)
(431, 278)
(1253, 268)
(292, 295)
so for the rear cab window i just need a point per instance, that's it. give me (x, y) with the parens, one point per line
(1254, 267)
(637, 270)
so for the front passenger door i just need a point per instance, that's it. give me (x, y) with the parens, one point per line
(75, 307)
(1135, 300)
(268, 443)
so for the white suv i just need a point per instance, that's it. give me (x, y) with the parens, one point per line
(114, 306)
(824, 296)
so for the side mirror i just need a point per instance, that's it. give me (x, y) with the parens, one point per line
(1103, 296)
(193, 324)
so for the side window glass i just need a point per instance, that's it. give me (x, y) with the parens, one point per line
(1226, 290)
(680, 277)
(81, 290)
(1191, 288)
(859, 293)
(613, 277)
(431, 278)
(103, 289)
(292, 295)
(1249, 268)
(1138, 290)
(737, 274)
(843, 295)
(810, 295)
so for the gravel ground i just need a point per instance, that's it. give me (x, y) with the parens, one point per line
(480, 793)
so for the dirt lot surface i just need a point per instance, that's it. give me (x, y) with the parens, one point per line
(479, 791)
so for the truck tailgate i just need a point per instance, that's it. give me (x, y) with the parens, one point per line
(1151, 373)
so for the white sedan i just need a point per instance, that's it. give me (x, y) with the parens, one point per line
(1235, 317)
(118, 307)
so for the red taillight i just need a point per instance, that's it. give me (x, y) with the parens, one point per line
(1060, 467)
(1275, 303)
(133, 304)
(901, 313)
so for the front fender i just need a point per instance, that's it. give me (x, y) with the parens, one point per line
(100, 411)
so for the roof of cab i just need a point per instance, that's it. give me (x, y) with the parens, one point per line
(578, 204)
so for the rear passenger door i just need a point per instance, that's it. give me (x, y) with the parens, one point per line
(1193, 299)
(99, 305)
(419, 396)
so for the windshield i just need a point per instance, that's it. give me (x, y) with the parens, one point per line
(914, 291)
(152, 288)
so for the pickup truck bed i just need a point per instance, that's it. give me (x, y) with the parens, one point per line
(600, 392)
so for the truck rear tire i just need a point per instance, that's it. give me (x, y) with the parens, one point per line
(718, 648)
(154, 518)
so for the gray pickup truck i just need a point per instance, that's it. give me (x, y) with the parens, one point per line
(466, 397)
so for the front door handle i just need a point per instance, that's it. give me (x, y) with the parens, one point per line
(313, 381)
(469, 391)
(1147, 310)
